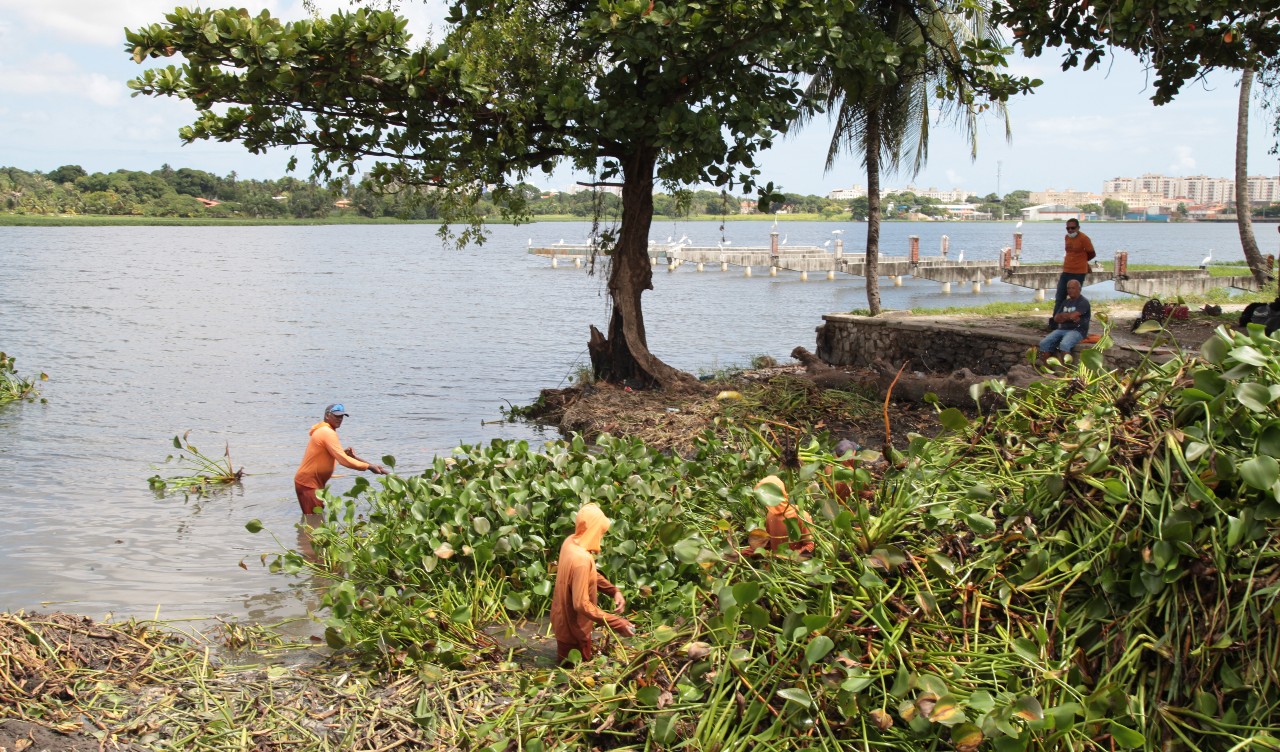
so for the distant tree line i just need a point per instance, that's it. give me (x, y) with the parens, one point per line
(185, 192)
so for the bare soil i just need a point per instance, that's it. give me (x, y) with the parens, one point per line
(671, 420)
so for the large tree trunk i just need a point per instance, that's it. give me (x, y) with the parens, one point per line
(1244, 207)
(872, 267)
(624, 355)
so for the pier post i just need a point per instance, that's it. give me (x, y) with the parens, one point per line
(804, 276)
(773, 253)
(946, 246)
(747, 273)
(915, 248)
(554, 261)
(699, 266)
(831, 275)
(724, 266)
(977, 285)
(653, 261)
(1122, 264)
(839, 247)
(946, 288)
(897, 281)
(1040, 295)
(773, 271)
(1017, 245)
(577, 262)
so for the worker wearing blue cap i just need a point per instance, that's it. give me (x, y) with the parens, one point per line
(324, 454)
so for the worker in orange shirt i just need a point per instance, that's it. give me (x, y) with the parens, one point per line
(324, 454)
(775, 524)
(574, 611)
(1075, 265)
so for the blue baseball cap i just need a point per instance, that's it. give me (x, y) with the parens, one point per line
(337, 409)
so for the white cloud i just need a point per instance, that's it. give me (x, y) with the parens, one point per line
(1184, 162)
(56, 75)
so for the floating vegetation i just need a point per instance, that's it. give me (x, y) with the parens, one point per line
(202, 472)
(14, 387)
(1093, 566)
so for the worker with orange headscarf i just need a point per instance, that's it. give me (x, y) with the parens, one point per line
(775, 522)
(574, 611)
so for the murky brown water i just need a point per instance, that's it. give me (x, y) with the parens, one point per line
(243, 335)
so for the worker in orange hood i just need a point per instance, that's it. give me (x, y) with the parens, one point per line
(574, 612)
(775, 522)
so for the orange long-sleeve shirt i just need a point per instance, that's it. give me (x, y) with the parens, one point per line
(574, 612)
(324, 454)
(1079, 249)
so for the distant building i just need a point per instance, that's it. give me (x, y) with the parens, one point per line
(575, 189)
(848, 194)
(953, 196)
(1153, 188)
(1052, 213)
(1067, 197)
(964, 211)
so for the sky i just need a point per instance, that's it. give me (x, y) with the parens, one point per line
(64, 100)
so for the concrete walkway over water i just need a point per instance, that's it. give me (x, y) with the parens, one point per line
(943, 269)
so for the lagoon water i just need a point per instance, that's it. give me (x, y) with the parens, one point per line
(243, 335)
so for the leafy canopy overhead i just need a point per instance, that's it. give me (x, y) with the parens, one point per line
(512, 88)
(1180, 39)
(519, 86)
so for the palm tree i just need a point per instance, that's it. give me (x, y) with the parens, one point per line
(886, 119)
(1244, 220)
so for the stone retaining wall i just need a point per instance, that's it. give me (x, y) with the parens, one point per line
(932, 345)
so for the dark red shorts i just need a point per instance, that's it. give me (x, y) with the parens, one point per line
(308, 500)
(563, 648)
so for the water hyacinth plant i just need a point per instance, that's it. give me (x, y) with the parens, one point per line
(202, 473)
(14, 387)
(1091, 566)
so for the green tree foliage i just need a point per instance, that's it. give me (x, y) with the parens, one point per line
(858, 208)
(1179, 40)
(1015, 201)
(1114, 208)
(631, 92)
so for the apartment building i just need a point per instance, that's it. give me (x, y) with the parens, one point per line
(1152, 188)
(1067, 197)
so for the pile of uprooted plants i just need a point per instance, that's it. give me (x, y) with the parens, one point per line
(1094, 565)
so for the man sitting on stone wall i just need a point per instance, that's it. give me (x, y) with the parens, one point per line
(1072, 320)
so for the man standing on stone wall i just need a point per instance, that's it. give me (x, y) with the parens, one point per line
(1075, 265)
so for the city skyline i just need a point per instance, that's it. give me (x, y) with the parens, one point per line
(64, 100)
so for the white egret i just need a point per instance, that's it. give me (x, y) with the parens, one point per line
(1018, 226)
(837, 232)
(1207, 259)
(827, 244)
(960, 258)
(775, 220)
(783, 241)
